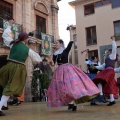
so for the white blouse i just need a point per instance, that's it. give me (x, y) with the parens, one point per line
(117, 70)
(35, 57)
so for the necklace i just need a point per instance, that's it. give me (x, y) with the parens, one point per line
(59, 56)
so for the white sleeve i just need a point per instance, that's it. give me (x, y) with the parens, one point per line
(7, 37)
(114, 50)
(99, 63)
(101, 67)
(87, 62)
(117, 70)
(34, 56)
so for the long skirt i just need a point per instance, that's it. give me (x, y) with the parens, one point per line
(107, 78)
(13, 78)
(70, 83)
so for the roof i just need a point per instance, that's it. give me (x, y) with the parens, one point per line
(71, 26)
(77, 1)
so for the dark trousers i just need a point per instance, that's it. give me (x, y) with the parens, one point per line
(1, 91)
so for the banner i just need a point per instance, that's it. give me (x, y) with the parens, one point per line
(102, 51)
(46, 44)
(14, 31)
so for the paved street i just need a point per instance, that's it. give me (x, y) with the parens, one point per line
(39, 111)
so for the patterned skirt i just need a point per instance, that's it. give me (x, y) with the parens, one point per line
(107, 78)
(70, 83)
(13, 78)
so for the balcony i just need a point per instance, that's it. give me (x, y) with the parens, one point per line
(37, 35)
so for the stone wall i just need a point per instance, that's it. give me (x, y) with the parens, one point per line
(24, 13)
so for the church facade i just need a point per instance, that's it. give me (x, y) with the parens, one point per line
(36, 16)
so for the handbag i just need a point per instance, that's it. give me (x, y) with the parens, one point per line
(118, 81)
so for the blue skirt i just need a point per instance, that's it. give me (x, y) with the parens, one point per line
(91, 76)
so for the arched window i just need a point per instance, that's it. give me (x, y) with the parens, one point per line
(41, 18)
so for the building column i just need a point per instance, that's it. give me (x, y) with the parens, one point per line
(55, 9)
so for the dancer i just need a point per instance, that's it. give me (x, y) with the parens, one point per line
(7, 37)
(105, 79)
(92, 72)
(13, 74)
(68, 83)
(93, 61)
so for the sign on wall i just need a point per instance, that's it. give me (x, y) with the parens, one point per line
(102, 51)
(14, 31)
(46, 44)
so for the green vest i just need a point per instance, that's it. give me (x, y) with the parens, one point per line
(18, 53)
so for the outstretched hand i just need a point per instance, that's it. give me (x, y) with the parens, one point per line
(51, 63)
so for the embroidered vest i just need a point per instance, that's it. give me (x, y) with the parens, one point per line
(18, 53)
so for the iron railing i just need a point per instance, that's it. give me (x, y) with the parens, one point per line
(37, 35)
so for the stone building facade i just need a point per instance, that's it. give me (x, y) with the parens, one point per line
(96, 22)
(32, 16)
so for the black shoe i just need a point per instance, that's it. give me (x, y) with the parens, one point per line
(93, 103)
(74, 108)
(4, 108)
(1, 113)
(70, 106)
(111, 103)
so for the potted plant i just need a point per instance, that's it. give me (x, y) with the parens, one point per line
(40, 82)
(34, 85)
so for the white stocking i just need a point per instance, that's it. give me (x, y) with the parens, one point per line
(5, 104)
(4, 99)
(73, 102)
(111, 98)
(100, 88)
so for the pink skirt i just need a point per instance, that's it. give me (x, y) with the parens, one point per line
(69, 83)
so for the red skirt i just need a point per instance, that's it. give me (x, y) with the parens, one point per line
(107, 78)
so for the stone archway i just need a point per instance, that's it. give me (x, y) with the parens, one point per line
(41, 7)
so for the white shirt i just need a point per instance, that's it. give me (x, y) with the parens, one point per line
(89, 62)
(35, 57)
(117, 69)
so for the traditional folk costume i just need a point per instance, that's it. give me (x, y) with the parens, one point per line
(92, 71)
(68, 83)
(7, 38)
(105, 79)
(13, 74)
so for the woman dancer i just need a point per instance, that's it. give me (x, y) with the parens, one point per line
(105, 79)
(13, 74)
(68, 83)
